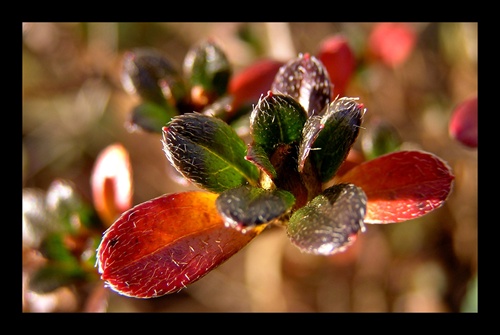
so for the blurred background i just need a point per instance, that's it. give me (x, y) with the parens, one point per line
(74, 105)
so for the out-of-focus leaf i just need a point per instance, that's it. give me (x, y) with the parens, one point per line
(329, 139)
(54, 248)
(330, 222)
(402, 185)
(463, 123)
(66, 206)
(380, 138)
(248, 85)
(148, 73)
(111, 183)
(207, 70)
(38, 222)
(162, 245)
(391, 42)
(306, 80)
(277, 119)
(208, 152)
(246, 206)
(53, 276)
(340, 62)
(151, 117)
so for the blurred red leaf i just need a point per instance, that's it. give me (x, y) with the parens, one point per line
(340, 62)
(391, 42)
(162, 245)
(249, 84)
(401, 185)
(111, 183)
(463, 123)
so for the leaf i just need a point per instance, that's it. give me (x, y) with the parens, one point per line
(257, 155)
(306, 80)
(402, 185)
(340, 62)
(208, 152)
(330, 222)
(151, 117)
(249, 84)
(111, 183)
(147, 72)
(162, 245)
(380, 138)
(277, 119)
(207, 70)
(329, 139)
(463, 124)
(246, 206)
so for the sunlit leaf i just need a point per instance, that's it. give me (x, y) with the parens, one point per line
(306, 80)
(208, 152)
(111, 182)
(162, 245)
(402, 185)
(463, 124)
(277, 119)
(246, 206)
(330, 222)
(329, 139)
(38, 221)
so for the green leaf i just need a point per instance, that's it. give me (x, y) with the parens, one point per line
(329, 139)
(151, 117)
(277, 119)
(246, 206)
(330, 222)
(148, 73)
(380, 138)
(53, 248)
(208, 152)
(207, 66)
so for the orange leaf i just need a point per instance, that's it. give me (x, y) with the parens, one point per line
(401, 185)
(163, 245)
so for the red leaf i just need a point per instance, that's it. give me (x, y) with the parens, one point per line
(163, 245)
(392, 42)
(249, 84)
(463, 123)
(340, 62)
(401, 185)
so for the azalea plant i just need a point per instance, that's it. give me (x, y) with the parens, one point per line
(291, 168)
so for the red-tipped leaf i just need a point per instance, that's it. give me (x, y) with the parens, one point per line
(163, 245)
(402, 185)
